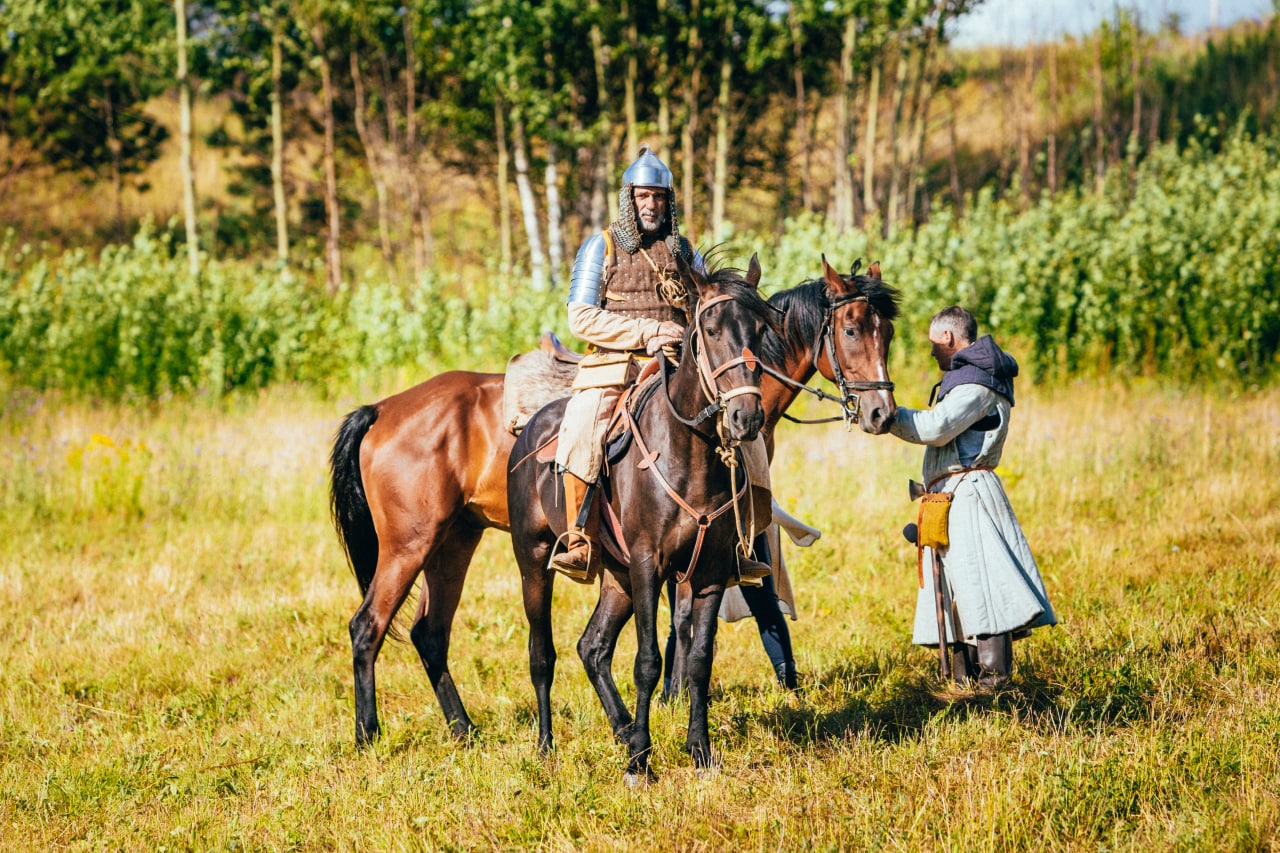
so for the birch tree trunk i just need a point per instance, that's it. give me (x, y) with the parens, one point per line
(688, 133)
(629, 82)
(555, 212)
(957, 192)
(333, 252)
(724, 102)
(607, 163)
(277, 147)
(662, 86)
(916, 176)
(555, 215)
(1025, 116)
(520, 159)
(895, 121)
(803, 147)
(842, 186)
(184, 134)
(504, 187)
(423, 243)
(375, 155)
(869, 142)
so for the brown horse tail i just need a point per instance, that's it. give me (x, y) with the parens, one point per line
(347, 501)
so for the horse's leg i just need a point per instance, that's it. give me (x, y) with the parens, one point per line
(596, 648)
(648, 668)
(536, 586)
(368, 627)
(444, 576)
(705, 619)
(682, 630)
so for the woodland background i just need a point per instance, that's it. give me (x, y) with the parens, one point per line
(204, 196)
(220, 239)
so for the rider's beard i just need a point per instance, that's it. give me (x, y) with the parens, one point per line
(649, 225)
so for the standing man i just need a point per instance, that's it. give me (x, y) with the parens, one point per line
(625, 296)
(995, 589)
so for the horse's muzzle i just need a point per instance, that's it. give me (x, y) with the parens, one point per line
(878, 410)
(743, 417)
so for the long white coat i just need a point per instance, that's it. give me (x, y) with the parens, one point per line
(988, 565)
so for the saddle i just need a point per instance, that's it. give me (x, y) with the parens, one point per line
(536, 378)
(617, 437)
(617, 440)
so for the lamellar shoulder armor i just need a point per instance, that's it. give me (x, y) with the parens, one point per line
(586, 283)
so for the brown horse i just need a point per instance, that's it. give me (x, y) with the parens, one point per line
(418, 477)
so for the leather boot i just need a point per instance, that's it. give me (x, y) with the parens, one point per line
(752, 572)
(964, 663)
(577, 561)
(995, 660)
(786, 673)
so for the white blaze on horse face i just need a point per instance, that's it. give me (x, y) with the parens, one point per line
(882, 363)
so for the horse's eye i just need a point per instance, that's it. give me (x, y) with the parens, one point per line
(850, 332)
(712, 331)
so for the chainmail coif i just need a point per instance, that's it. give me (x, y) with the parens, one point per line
(626, 231)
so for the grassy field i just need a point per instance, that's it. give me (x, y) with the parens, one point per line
(175, 668)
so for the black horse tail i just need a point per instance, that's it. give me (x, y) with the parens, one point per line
(347, 501)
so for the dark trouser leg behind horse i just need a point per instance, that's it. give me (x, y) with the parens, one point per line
(774, 634)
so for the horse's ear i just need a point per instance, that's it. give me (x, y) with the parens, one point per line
(873, 271)
(835, 284)
(689, 277)
(753, 271)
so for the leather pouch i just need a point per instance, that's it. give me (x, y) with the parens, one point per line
(932, 520)
(606, 370)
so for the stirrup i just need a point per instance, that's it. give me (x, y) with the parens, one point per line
(571, 570)
(752, 572)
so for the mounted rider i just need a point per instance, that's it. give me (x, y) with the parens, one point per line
(626, 301)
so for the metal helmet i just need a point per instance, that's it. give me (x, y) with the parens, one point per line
(648, 171)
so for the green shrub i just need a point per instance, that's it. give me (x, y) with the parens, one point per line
(1171, 270)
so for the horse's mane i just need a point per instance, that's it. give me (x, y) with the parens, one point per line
(729, 280)
(805, 307)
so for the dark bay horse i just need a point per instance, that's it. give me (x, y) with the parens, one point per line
(670, 491)
(417, 477)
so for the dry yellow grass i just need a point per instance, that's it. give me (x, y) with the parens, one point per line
(180, 678)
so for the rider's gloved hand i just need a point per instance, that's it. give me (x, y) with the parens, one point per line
(668, 333)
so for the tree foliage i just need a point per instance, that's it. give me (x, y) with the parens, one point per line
(75, 76)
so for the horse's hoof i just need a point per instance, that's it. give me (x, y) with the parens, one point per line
(711, 771)
(635, 781)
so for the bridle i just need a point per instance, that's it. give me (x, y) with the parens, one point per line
(709, 375)
(850, 402)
